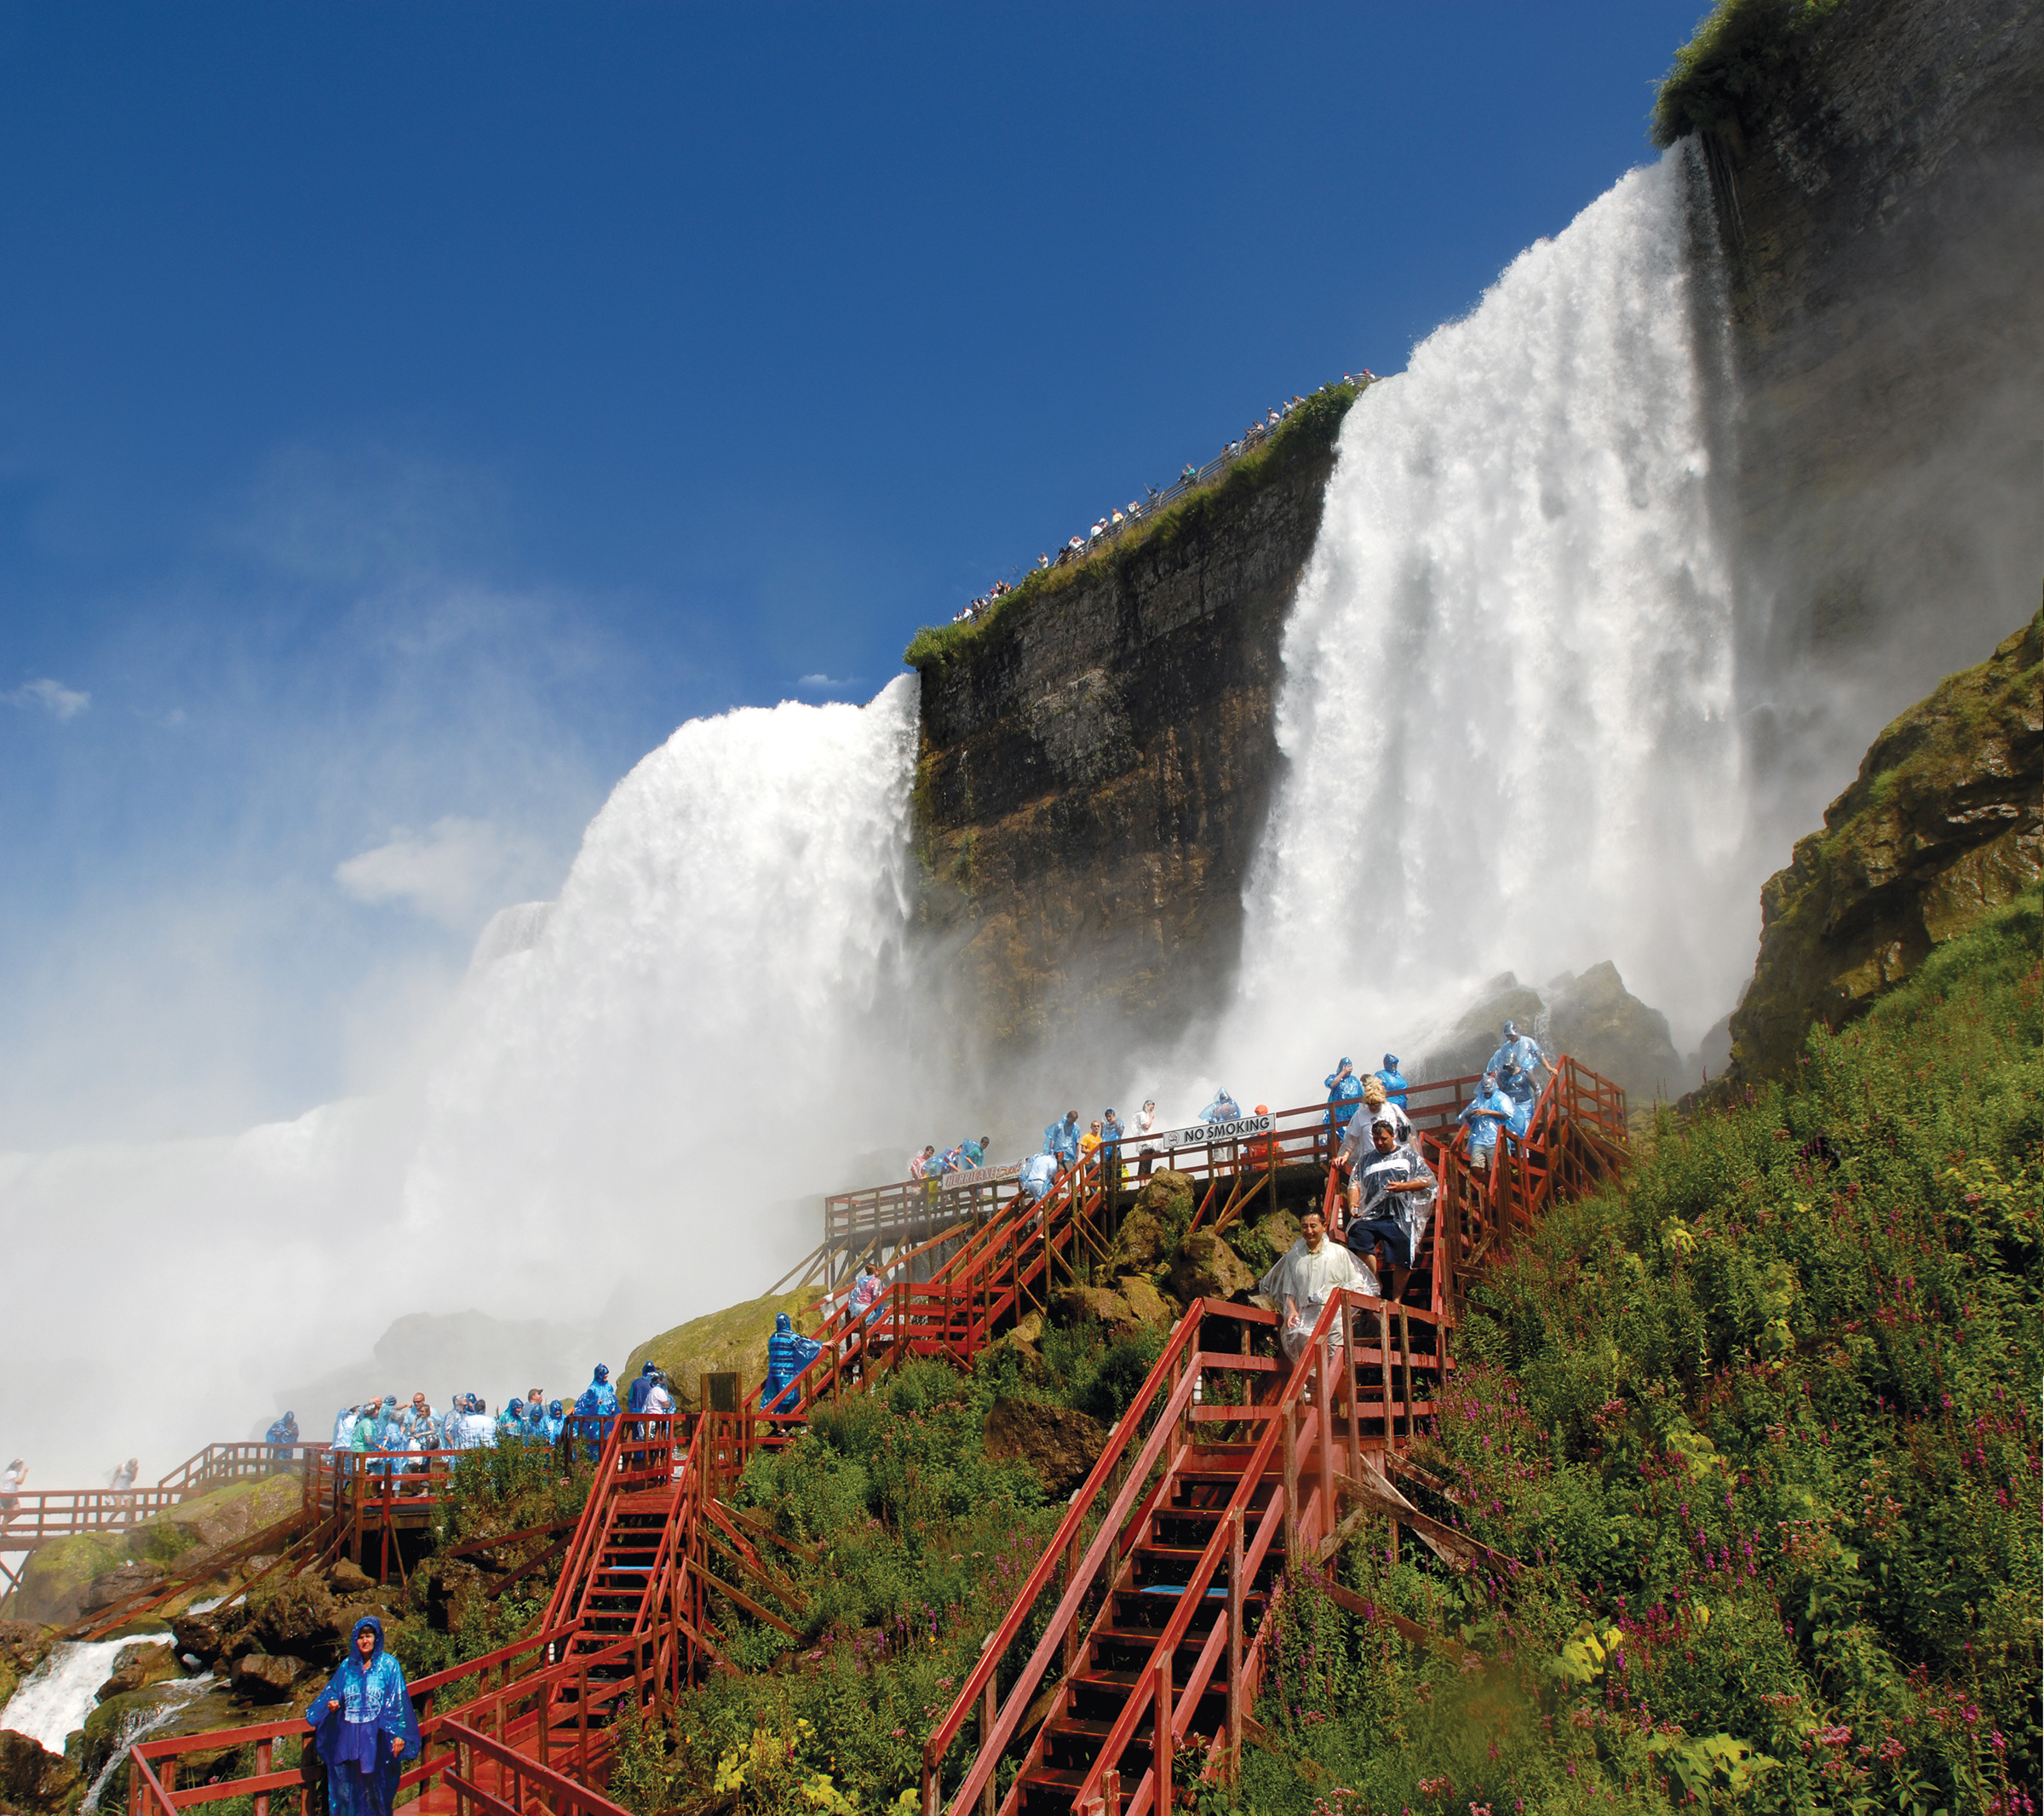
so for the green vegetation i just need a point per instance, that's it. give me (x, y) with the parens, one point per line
(1308, 432)
(1738, 59)
(1761, 1425)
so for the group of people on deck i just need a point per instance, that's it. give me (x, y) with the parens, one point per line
(1390, 1191)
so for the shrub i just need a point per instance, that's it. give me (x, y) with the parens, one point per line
(1739, 57)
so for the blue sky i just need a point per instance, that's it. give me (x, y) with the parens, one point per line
(410, 414)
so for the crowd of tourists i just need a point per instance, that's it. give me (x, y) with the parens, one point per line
(1111, 523)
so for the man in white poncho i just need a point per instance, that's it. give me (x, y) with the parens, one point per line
(1305, 1278)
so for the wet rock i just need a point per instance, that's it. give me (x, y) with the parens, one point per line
(1140, 1243)
(1060, 1446)
(1166, 1196)
(1030, 1330)
(1942, 826)
(136, 1667)
(1474, 1037)
(1280, 1229)
(301, 1618)
(205, 1637)
(1206, 1267)
(1596, 1019)
(267, 1677)
(1078, 1305)
(1146, 1305)
(170, 1710)
(56, 1579)
(33, 1779)
(120, 1584)
(350, 1581)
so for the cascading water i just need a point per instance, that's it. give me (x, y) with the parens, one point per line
(1508, 709)
(57, 1696)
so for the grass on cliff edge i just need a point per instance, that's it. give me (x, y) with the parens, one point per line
(1308, 430)
(1761, 1425)
(1738, 57)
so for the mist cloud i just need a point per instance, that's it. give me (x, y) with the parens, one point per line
(52, 697)
(456, 872)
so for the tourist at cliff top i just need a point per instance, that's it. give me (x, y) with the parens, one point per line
(419, 1421)
(391, 1441)
(1343, 1088)
(1145, 1117)
(1304, 1279)
(1483, 1116)
(866, 1293)
(122, 1479)
(787, 1355)
(362, 1725)
(1039, 1174)
(1392, 1080)
(283, 1431)
(1517, 1049)
(1223, 1109)
(1392, 1196)
(536, 1410)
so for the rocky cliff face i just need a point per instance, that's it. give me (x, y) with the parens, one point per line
(1944, 822)
(1097, 761)
(1880, 199)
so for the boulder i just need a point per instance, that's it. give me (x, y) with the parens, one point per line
(205, 1637)
(1140, 1244)
(1146, 1305)
(1166, 1196)
(1030, 1330)
(56, 1577)
(179, 1709)
(267, 1677)
(1594, 1019)
(33, 1779)
(349, 1580)
(1058, 1445)
(1206, 1267)
(732, 1341)
(224, 1517)
(1279, 1228)
(1078, 1305)
(119, 1584)
(138, 1666)
(1474, 1037)
(301, 1618)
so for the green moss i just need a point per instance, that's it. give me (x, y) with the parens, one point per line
(1739, 57)
(54, 1570)
(1308, 432)
(721, 1341)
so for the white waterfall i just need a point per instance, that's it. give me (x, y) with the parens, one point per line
(57, 1696)
(1507, 712)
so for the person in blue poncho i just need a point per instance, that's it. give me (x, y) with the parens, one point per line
(557, 1421)
(1392, 1080)
(598, 1401)
(283, 1431)
(1344, 1091)
(641, 1387)
(362, 1725)
(1223, 1109)
(1062, 1138)
(1517, 1049)
(1484, 1115)
(511, 1422)
(1518, 1090)
(787, 1356)
(1038, 1174)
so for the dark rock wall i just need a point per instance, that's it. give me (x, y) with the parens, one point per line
(1097, 766)
(1883, 216)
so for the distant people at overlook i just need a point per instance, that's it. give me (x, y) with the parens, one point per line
(1223, 1109)
(1344, 1088)
(1392, 1080)
(283, 1431)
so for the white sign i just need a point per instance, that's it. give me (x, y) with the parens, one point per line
(979, 1176)
(1200, 1133)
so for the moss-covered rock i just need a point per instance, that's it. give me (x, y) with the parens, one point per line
(33, 1779)
(719, 1343)
(224, 1517)
(1942, 825)
(138, 1666)
(55, 1581)
(1207, 1267)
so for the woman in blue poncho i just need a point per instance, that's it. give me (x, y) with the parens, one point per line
(362, 1725)
(598, 1401)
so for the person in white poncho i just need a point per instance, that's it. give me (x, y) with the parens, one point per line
(1305, 1278)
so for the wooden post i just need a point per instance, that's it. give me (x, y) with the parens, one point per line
(1405, 1361)
(1325, 1411)
(1384, 1368)
(262, 1771)
(1236, 1590)
(987, 1713)
(1162, 1747)
(1110, 1793)
(1293, 1539)
(1071, 1627)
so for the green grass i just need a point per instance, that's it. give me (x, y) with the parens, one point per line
(1761, 1423)
(1740, 55)
(1307, 433)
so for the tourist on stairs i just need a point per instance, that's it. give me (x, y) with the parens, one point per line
(362, 1725)
(1343, 1088)
(1305, 1277)
(787, 1356)
(1484, 1115)
(1039, 1174)
(1223, 1109)
(1392, 1080)
(1517, 1049)
(641, 1387)
(1062, 1138)
(1392, 1196)
(598, 1401)
(1518, 1091)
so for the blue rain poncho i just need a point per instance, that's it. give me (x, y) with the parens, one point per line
(1392, 1080)
(1223, 1109)
(641, 1385)
(354, 1741)
(1062, 1139)
(1483, 1129)
(1518, 1091)
(344, 1428)
(1343, 1088)
(787, 1356)
(1517, 1049)
(511, 1422)
(598, 1401)
(557, 1421)
(283, 1431)
(971, 1153)
(1037, 1174)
